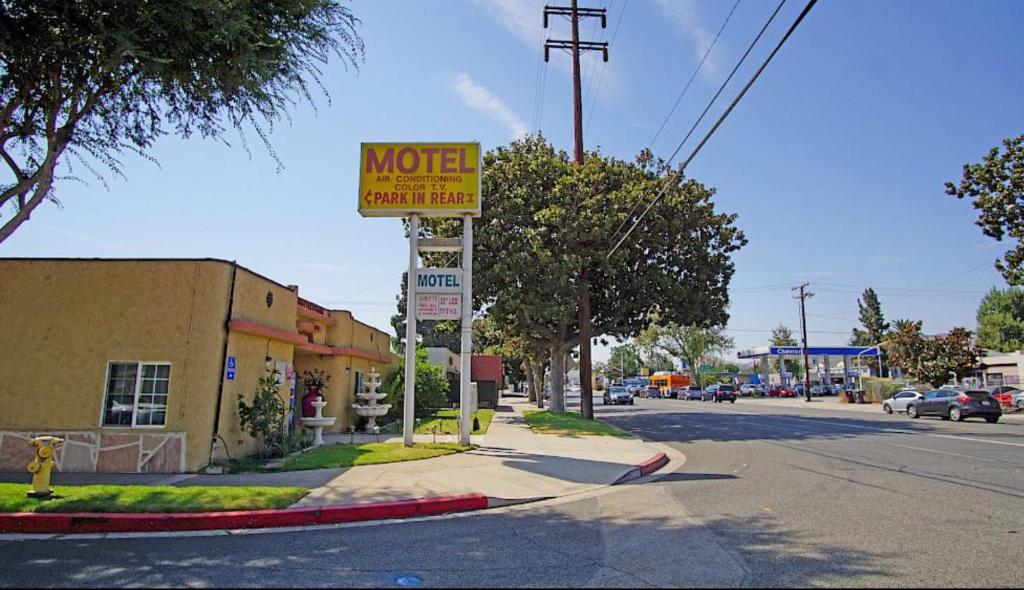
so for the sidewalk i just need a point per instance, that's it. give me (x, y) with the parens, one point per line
(511, 463)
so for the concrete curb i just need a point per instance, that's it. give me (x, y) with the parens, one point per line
(78, 523)
(648, 467)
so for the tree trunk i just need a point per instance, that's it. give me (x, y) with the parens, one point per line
(538, 382)
(557, 379)
(531, 385)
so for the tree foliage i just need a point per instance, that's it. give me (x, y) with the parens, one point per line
(996, 188)
(624, 361)
(932, 360)
(782, 336)
(871, 319)
(93, 79)
(1001, 320)
(546, 222)
(694, 345)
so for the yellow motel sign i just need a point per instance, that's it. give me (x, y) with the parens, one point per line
(431, 179)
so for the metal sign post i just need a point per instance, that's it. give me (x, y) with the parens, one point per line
(408, 419)
(465, 403)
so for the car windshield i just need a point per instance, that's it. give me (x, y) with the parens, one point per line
(619, 390)
(977, 394)
(725, 388)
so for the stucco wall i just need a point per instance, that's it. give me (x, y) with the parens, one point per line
(62, 321)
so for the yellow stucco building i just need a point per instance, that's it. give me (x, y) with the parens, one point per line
(138, 364)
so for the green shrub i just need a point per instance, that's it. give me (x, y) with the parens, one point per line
(877, 390)
(264, 419)
(431, 389)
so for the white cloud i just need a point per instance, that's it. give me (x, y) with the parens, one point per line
(686, 16)
(482, 100)
(522, 18)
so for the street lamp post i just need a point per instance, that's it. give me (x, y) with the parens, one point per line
(860, 378)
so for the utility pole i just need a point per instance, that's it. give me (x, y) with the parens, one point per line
(803, 328)
(575, 46)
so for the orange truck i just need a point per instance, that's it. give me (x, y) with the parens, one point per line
(670, 382)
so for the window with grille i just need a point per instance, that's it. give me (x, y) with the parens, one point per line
(136, 394)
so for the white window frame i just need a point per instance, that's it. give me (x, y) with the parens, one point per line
(135, 401)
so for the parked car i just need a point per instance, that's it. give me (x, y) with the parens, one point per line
(617, 394)
(955, 405)
(781, 391)
(693, 392)
(1018, 400)
(818, 390)
(720, 392)
(650, 391)
(899, 401)
(750, 389)
(1003, 393)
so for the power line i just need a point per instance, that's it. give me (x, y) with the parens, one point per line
(695, 71)
(682, 168)
(600, 76)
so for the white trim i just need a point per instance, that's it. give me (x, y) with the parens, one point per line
(135, 401)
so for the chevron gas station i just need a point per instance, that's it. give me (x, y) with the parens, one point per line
(832, 365)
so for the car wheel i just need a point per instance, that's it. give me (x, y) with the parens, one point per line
(991, 419)
(956, 415)
(732, 401)
(912, 412)
(887, 408)
(1020, 405)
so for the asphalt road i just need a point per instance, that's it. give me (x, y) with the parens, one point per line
(768, 496)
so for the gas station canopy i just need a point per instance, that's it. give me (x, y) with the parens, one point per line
(763, 351)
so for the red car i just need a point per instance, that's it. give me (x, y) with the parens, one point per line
(780, 391)
(1003, 394)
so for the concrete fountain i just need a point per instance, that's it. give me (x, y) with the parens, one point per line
(370, 408)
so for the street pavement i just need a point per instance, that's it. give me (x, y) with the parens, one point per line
(770, 495)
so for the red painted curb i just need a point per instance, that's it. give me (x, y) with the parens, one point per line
(653, 464)
(99, 522)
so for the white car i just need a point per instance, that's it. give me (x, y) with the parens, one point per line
(1018, 400)
(899, 401)
(750, 389)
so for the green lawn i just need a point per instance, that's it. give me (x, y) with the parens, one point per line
(148, 498)
(368, 454)
(447, 422)
(547, 422)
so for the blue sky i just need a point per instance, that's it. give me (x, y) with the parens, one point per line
(834, 161)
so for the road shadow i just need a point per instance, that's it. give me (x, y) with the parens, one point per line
(543, 547)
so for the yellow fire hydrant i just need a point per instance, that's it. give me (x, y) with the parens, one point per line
(42, 465)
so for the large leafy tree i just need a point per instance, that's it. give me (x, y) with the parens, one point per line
(1001, 319)
(694, 345)
(84, 81)
(904, 344)
(951, 355)
(932, 360)
(996, 188)
(545, 221)
(624, 360)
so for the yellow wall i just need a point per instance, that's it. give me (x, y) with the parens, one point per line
(62, 321)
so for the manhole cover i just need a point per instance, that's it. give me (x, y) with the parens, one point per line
(408, 580)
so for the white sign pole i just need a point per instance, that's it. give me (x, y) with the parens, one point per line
(408, 419)
(465, 426)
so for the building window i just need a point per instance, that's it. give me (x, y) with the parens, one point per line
(136, 394)
(995, 378)
(359, 382)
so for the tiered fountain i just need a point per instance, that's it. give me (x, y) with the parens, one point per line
(371, 409)
(318, 421)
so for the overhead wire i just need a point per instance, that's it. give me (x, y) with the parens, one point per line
(693, 76)
(682, 168)
(721, 119)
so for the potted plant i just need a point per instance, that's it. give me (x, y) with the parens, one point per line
(315, 382)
